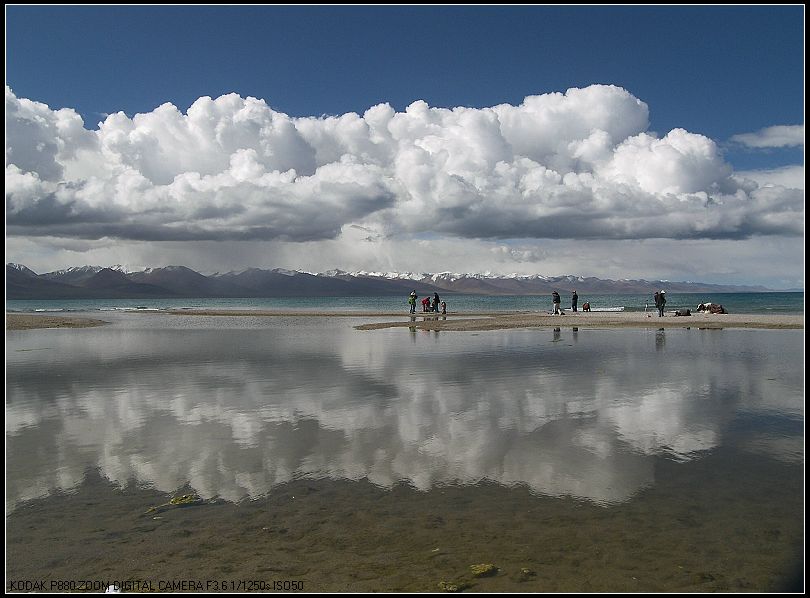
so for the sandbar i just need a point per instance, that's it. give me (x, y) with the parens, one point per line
(462, 321)
(475, 321)
(32, 321)
(592, 320)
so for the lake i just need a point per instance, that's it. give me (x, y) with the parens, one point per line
(392, 460)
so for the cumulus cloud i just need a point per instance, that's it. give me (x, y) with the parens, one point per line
(778, 136)
(578, 165)
(790, 177)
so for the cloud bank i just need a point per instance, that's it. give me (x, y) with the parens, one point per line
(578, 165)
(779, 136)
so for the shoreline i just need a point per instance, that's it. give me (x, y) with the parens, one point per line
(595, 320)
(34, 321)
(454, 321)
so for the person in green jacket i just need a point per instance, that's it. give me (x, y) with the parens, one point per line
(412, 301)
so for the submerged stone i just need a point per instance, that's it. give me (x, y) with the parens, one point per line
(483, 570)
(185, 499)
(453, 586)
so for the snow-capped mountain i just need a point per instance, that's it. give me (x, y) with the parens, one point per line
(180, 281)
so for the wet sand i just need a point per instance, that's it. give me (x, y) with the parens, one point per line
(471, 321)
(34, 321)
(593, 319)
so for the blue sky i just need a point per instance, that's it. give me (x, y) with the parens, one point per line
(717, 72)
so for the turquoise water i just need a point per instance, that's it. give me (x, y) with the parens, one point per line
(735, 303)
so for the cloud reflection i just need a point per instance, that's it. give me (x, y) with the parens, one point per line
(236, 412)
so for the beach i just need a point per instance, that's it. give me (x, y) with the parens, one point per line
(473, 321)
(504, 321)
(590, 452)
(36, 321)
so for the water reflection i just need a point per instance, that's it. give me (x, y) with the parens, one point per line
(236, 412)
(660, 339)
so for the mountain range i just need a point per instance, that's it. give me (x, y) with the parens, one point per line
(115, 282)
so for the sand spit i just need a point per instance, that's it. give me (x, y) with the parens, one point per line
(593, 320)
(467, 321)
(32, 321)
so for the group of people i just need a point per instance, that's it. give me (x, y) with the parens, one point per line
(660, 301)
(427, 306)
(555, 301)
(439, 305)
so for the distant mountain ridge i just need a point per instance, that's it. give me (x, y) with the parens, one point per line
(115, 282)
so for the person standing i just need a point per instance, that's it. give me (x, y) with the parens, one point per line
(555, 299)
(412, 301)
(662, 301)
(436, 302)
(574, 300)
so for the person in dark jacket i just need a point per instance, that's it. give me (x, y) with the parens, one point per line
(574, 300)
(555, 299)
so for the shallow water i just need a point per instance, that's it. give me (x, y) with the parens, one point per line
(624, 460)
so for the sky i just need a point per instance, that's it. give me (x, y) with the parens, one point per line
(656, 142)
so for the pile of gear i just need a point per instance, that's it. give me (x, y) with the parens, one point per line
(712, 308)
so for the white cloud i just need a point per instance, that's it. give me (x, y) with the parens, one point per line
(778, 136)
(681, 163)
(790, 177)
(558, 166)
(43, 141)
